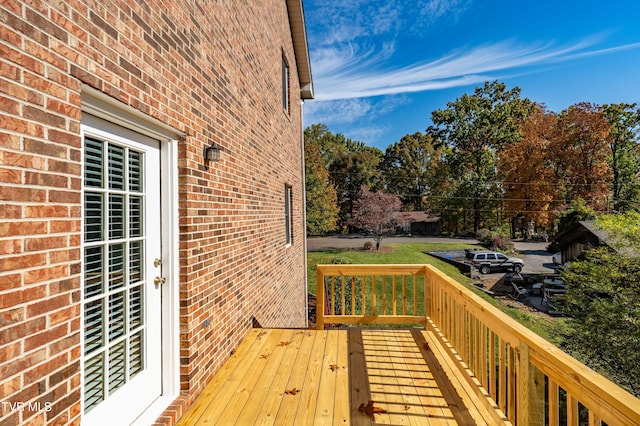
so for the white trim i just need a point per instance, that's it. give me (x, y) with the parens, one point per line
(107, 108)
(170, 290)
(152, 412)
(171, 269)
(304, 217)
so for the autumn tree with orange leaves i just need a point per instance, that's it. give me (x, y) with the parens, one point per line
(530, 185)
(580, 155)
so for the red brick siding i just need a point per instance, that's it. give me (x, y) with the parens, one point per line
(212, 72)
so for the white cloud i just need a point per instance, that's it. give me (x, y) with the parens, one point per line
(353, 73)
(361, 118)
(337, 111)
(346, 111)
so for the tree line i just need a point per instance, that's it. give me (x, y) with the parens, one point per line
(490, 158)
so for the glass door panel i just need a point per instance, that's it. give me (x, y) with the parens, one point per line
(120, 314)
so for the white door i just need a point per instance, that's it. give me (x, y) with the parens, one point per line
(121, 249)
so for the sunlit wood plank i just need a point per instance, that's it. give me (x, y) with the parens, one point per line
(296, 387)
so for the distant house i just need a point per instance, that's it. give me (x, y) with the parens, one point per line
(421, 223)
(583, 236)
(151, 199)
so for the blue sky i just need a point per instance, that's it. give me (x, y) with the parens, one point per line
(380, 67)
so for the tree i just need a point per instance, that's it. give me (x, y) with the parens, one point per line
(578, 211)
(529, 183)
(330, 146)
(475, 126)
(408, 168)
(624, 121)
(377, 213)
(603, 330)
(321, 199)
(623, 231)
(350, 165)
(350, 172)
(581, 153)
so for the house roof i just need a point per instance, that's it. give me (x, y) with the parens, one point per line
(590, 225)
(413, 217)
(300, 47)
(585, 231)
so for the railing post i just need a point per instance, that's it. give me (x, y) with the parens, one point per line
(522, 386)
(530, 391)
(320, 299)
(428, 288)
(536, 396)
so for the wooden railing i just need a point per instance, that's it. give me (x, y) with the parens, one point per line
(526, 378)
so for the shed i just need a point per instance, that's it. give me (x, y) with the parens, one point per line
(583, 236)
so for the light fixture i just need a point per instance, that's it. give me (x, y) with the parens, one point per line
(210, 153)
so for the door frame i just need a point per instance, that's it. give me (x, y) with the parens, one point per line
(107, 108)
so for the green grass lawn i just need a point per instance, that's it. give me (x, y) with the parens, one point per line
(408, 253)
(413, 253)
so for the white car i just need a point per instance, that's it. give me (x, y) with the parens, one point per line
(557, 258)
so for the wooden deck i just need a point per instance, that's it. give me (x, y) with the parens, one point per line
(306, 377)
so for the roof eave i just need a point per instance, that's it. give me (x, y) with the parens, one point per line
(300, 47)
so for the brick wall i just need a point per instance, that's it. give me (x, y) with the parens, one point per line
(211, 70)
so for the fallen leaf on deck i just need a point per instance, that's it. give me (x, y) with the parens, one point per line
(264, 356)
(283, 343)
(370, 410)
(333, 367)
(426, 346)
(293, 391)
(406, 407)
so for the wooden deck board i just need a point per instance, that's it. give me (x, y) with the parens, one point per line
(286, 414)
(274, 384)
(309, 395)
(327, 388)
(241, 394)
(418, 384)
(383, 367)
(332, 372)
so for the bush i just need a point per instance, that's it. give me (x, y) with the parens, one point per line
(498, 242)
(367, 245)
(495, 240)
(338, 260)
(484, 236)
(553, 247)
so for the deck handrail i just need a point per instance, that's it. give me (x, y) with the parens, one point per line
(370, 305)
(524, 377)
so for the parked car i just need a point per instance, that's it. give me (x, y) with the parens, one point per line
(557, 258)
(487, 261)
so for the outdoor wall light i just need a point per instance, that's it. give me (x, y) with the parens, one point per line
(211, 153)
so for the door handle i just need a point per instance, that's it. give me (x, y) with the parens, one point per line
(158, 281)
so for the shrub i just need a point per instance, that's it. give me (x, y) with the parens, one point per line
(498, 242)
(484, 236)
(338, 260)
(553, 247)
(495, 240)
(367, 245)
